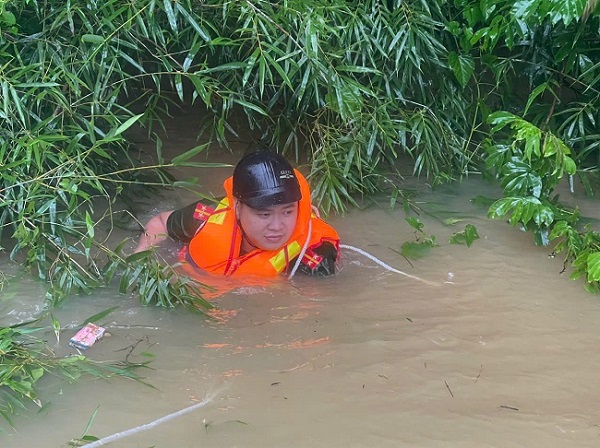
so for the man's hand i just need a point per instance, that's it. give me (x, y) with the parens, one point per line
(155, 232)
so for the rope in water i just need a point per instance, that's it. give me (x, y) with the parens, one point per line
(355, 249)
(385, 265)
(129, 432)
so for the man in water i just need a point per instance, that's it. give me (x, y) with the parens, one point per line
(263, 225)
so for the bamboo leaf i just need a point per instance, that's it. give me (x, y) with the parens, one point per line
(539, 90)
(56, 327)
(17, 103)
(250, 106)
(170, 15)
(179, 86)
(124, 126)
(100, 315)
(184, 12)
(136, 256)
(250, 66)
(182, 158)
(279, 69)
(37, 84)
(228, 66)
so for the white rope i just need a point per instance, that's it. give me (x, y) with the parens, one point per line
(303, 251)
(355, 249)
(129, 432)
(385, 265)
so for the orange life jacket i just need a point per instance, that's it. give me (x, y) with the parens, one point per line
(216, 246)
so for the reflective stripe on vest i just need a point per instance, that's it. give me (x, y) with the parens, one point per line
(280, 260)
(218, 217)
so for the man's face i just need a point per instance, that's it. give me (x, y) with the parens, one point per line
(268, 228)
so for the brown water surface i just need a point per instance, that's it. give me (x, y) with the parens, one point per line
(502, 352)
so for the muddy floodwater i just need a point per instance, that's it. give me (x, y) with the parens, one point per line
(499, 350)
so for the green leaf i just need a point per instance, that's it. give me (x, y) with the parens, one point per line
(138, 256)
(415, 223)
(467, 236)
(357, 69)
(101, 152)
(593, 267)
(279, 69)
(451, 221)
(568, 10)
(570, 166)
(92, 38)
(184, 12)
(534, 94)
(37, 373)
(170, 15)
(56, 327)
(89, 223)
(182, 158)
(544, 216)
(37, 84)
(226, 67)
(248, 105)
(501, 119)
(100, 315)
(524, 9)
(17, 103)
(178, 86)
(124, 126)
(501, 207)
(250, 66)
(462, 66)
(8, 17)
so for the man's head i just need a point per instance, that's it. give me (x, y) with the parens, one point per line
(267, 193)
(263, 179)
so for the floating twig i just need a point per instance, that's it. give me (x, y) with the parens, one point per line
(449, 390)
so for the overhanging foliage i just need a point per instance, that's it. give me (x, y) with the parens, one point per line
(357, 83)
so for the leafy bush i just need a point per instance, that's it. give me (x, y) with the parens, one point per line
(62, 149)
(549, 47)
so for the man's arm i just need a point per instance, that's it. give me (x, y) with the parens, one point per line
(155, 232)
(181, 225)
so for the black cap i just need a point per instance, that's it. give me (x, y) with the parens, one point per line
(263, 179)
